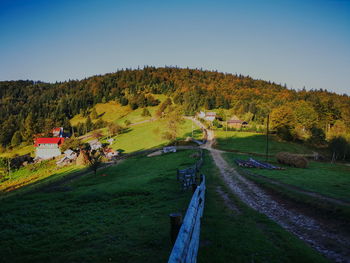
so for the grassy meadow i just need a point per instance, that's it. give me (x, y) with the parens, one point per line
(113, 111)
(122, 215)
(34, 173)
(244, 236)
(149, 135)
(328, 179)
(250, 142)
(19, 150)
(139, 137)
(119, 215)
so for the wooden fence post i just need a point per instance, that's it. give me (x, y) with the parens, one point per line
(175, 225)
(194, 187)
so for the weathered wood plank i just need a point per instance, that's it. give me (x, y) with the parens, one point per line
(186, 246)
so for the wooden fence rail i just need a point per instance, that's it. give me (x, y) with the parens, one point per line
(186, 245)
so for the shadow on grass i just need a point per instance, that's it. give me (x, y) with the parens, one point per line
(38, 185)
(257, 145)
(126, 207)
(197, 134)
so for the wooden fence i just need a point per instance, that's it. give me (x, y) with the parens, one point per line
(188, 177)
(186, 245)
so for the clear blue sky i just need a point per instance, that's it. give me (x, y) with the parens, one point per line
(300, 43)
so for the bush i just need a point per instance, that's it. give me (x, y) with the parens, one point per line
(338, 147)
(317, 137)
(285, 133)
(146, 113)
(292, 159)
(217, 124)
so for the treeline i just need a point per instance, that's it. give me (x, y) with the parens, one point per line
(28, 108)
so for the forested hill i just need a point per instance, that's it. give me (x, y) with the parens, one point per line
(28, 107)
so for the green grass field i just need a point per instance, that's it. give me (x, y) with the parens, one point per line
(250, 142)
(20, 150)
(227, 236)
(122, 215)
(34, 173)
(139, 137)
(328, 179)
(112, 111)
(119, 215)
(149, 135)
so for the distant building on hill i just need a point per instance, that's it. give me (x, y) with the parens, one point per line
(57, 132)
(208, 116)
(47, 148)
(95, 144)
(237, 124)
(110, 153)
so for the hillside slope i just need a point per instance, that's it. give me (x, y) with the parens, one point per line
(29, 107)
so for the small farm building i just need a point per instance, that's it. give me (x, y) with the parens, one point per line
(47, 148)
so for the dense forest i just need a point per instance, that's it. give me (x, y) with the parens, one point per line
(31, 107)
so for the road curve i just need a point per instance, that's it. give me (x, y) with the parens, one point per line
(332, 244)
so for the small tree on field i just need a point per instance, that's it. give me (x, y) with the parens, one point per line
(146, 113)
(163, 107)
(173, 122)
(94, 114)
(97, 134)
(127, 123)
(114, 129)
(95, 160)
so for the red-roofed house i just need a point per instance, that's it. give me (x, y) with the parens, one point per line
(47, 148)
(57, 132)
(209, 116)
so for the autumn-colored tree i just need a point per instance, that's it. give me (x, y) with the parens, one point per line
(173, 121)
(305, 114)
(337, 130)
(146, 113)
(114, 129)
(163, 107)
(283, 121)
(72, 143)
(282, 116)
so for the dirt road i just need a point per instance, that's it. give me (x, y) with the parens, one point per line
(332, 244)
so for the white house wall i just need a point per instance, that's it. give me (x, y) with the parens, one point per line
(45, 153)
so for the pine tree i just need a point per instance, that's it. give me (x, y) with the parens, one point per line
(16, 139)
(94, 114)
(88, 124)
(28, 128)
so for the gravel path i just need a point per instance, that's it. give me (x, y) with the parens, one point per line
(320, 197)
(334, 246)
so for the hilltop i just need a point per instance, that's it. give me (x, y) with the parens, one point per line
(28, 107)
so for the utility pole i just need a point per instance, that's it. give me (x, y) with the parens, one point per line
(192, 128)
(267, 137)
(9, 166)
(226, 124)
